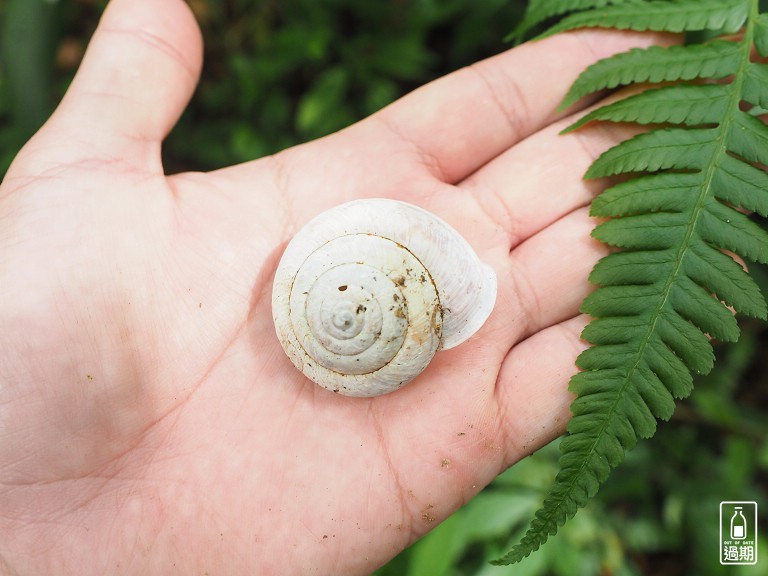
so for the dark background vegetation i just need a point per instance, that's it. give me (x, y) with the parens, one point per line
(280, 72)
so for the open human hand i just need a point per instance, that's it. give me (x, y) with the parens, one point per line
(149, 420)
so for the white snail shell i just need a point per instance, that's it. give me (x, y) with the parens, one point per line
(367, 292)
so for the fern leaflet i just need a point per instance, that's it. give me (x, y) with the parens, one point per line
(539, 11)
(661, 15)
(687, 104)
(715, 60)
(666, 292)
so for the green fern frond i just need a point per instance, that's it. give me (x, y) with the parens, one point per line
(666, 292)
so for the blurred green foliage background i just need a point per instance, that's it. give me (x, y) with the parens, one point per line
(277, 72)
(280, 72)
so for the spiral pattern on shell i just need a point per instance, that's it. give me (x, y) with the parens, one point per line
(367, 292)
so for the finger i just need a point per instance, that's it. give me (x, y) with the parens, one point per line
(446, 129)
(138, 73)
(532, 388)
(458, 123)
(545, 279)
(540, 180)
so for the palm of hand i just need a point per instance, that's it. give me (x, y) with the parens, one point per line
(155, 379)
(152, 421)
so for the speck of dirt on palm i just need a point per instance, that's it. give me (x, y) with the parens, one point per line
(426, 515)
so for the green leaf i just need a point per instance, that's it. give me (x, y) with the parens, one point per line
(749, 138)
(696, 304)
(539, 11)
(314, 115)
(631, 300)
(717, 59)
(627, 268)
(727, 280)
(663, 16)
(660, 192)
(668, 288)
(761, 34)
(688, 344)
(669, 367)
(741, 184)
(677, 148)
(653, 231)
(686, 104)
(756, 84)
(731, 230)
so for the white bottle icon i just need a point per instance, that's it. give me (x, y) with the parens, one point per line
(738, 525)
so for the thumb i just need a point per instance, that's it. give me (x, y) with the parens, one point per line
(136, 78)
